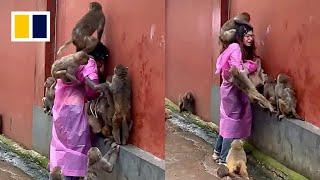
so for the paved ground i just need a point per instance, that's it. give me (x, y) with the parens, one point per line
(9, 172)
(187, 156)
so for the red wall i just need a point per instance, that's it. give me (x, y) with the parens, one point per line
(192, 46)
(22, 65)
(287, 39)
(135, 35)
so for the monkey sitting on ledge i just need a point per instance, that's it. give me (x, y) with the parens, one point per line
(285, 98)
(66, 67)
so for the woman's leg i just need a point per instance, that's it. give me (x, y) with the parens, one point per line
(226, 144)
(217, 148)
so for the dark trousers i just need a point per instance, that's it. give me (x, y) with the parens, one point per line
(222, 147)
(71, 178)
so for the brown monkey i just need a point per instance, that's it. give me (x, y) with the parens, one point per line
(104, 105)
(241, 80)
(56, 174)
(269, 91)
(66, 67)
(97, 162)
(223, 171)
(287, 104)
(187, 103)
(49, 95)
(237, 160)
(283, 81)
(81, 37)
(121, 90)
(228, 29)
(258, 78)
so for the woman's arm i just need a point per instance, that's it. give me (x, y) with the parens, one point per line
(90, 71)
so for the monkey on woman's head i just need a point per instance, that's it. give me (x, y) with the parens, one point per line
(81, 37)
(228, 30)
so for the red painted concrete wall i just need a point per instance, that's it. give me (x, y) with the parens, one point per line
(135, 35)
(21, 66)
(192, 45)
(287, 39)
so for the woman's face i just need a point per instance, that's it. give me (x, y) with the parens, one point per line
(248, 39)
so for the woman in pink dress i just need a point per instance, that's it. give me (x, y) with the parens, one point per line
(70, 130)
(235, 109)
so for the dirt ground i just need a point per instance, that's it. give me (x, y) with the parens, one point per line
(187, 156)
(9, 172)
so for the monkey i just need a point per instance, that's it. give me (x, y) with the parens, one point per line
(104, 106)
(228, 29)
(237, 160)
(97, 162)
(287, 104)
(223, 171)
(93, 121)
(187, 103)
(120, 87)
(66, 67)
(93, 20)
(269, 90)
(49, 95)
(258, 78)
(56, 174)
(241, 80)
(283, 82)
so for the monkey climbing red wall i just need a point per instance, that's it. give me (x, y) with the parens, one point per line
(288, 41)
(22, 66)
(134, 32)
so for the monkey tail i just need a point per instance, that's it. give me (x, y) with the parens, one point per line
(64, 46)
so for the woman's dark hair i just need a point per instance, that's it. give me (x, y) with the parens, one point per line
(101, 52)
(247, 52)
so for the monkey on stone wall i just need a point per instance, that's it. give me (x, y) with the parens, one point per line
(66, 67)
(269, 90)
(49, 95)
(81, 37)
(97, 162)
(241, 80)
(187, 103)
(287, 104)
(103, 106)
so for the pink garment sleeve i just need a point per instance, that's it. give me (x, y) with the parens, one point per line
(90, 70)
(236, 59)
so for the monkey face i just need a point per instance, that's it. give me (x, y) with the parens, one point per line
(282, 78)
(236, 144)
(120, 70)
(94, 155)
(95, 6)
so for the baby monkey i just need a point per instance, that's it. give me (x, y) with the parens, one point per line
(97, 162)
(49, 95)
(56, 174)
(187, 103)
(66, 67)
